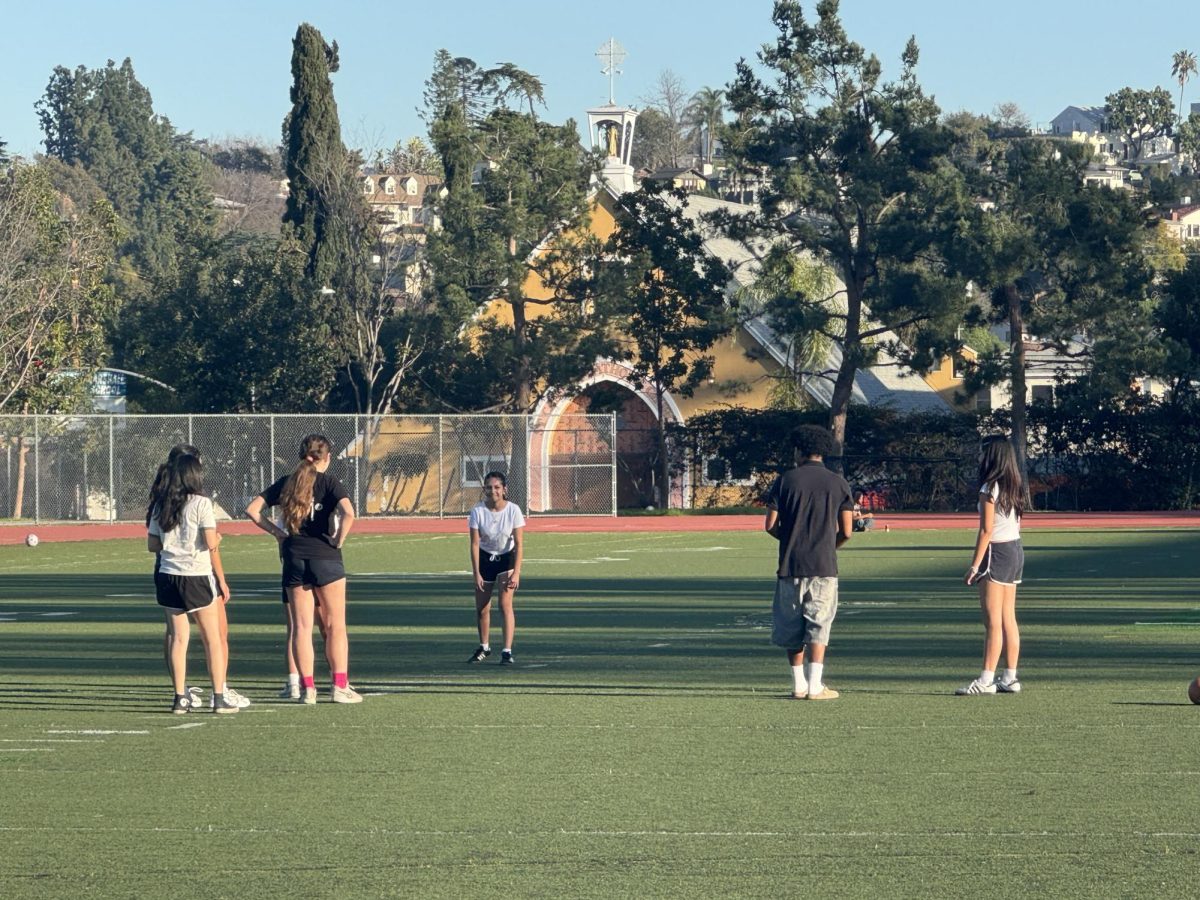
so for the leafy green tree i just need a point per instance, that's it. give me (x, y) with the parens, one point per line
(514, 216)
(665, 297)
(855, 164)
(1059, 262)
(53, 261)
(1183, 67)
(1178, 318)
(1189, 136)
(706, 114)
(156, 179)
(1139, 115)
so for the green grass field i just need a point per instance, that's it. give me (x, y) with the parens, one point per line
(642, 746)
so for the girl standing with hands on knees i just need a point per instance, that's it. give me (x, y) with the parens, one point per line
(998, 565)
(497, 528)
(317, 516)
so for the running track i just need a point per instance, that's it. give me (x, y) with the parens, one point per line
(65, 531)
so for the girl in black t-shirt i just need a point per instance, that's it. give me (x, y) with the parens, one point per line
(317, 516)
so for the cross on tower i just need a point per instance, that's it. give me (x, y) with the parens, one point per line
(612, 55)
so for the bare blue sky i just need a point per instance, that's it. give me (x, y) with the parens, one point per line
(222, 68)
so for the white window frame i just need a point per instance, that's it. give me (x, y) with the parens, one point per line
(719, 482)
(472, 464)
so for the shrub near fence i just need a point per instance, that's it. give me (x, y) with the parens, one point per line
(920, 461)
(99, 468)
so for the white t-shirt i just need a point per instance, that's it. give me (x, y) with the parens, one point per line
(496, 526)
(184, 551)
(1006, 526)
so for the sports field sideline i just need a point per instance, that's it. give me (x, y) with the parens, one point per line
(642, 746)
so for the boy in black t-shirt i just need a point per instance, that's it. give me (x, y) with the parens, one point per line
(809, 511)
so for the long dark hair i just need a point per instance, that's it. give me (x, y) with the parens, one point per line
(163, 477)
(295, 501)
(998, 467)
(186, 477)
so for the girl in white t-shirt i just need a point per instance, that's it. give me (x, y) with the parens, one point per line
(188, 580)
(497, 528)
(998, 565)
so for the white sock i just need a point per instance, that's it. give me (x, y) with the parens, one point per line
(293, 678)
(1009, 676)
(486, 646)
(799, 682)
(507, 650)
(815, 671)
(987, 676)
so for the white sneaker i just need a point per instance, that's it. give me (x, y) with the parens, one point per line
(1008, 687)
(976, 687)
(231, 696)
(196, 695)
(291, 691)
(345, 695)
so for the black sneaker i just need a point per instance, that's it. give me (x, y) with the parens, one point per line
(223, 703)
(479, 655)
(182, 704)
(506, 658)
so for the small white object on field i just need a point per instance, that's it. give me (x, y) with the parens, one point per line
(31, 540)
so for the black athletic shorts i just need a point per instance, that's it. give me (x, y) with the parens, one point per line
(492, 565)
(1004, 563)
(185, 592)
(311, 572)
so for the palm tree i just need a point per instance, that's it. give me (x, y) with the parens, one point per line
(1183, 67)
(706, 113)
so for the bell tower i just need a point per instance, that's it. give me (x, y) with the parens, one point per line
(611, 126)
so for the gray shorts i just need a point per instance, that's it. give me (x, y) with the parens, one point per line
(803, 611)
(1003, 563)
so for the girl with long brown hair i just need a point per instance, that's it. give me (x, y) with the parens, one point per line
(158, 490)
(998, 565)
(182, 533)
(317, 516)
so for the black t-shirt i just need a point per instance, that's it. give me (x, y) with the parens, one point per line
(808, 499)
(313, 540)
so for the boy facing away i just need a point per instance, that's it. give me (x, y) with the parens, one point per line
(810, 513)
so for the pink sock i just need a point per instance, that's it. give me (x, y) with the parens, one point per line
(307, 681)
(341, 679)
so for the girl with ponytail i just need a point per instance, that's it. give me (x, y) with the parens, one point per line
(316, 516)
(998, 565)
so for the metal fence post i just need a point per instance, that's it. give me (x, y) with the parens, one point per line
(441, 474)
(359, 502)
(190, 441)
(37, 468)
(272, 420)
(613, 432)
(112, 484)
(528, 462)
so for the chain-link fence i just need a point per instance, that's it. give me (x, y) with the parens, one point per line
(99, 468)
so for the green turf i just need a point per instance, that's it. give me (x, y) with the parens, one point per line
(641, 747)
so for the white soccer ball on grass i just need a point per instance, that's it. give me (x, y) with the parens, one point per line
(31, 540)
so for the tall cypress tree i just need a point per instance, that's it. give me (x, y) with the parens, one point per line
(316, 160)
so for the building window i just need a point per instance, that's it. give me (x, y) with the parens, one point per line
(720, 471)
(367, 187)
(983, 401)
(389, 187)
(474, 468)
(1043, 393)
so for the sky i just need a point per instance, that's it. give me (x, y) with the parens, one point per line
(221, 69)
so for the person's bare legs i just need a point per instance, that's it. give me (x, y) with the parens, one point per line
(483, 612)
(176, 646)
(209, 623)
(332, 598)
(991, 605)
(506, 610)
(289, 655)
(300, 599)
(1012, 634)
